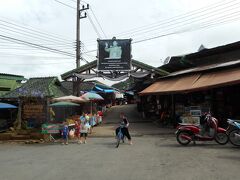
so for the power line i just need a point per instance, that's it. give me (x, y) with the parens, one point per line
(209, 21)
(94, 27)
(29, 28)
(209, 25)
(183, 31)
(12, 44)
(7, 38)
(6, 54)
(73, 1)
(41, 64)
(192, 19)
(29, 35)
(85, 2)
(178, 22)
(98, 22)
(64, 4)
(178, 17)
(175, 18)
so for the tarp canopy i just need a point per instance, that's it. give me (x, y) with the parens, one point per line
(194, 82)
(92, 96)
(63, 104)
(105, 90)
(71, 98)
(7, 106)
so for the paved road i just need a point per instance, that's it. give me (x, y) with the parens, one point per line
(130, 110)
(149, 158)
(138, 125)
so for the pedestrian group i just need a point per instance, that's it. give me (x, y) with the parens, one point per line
(82, 128)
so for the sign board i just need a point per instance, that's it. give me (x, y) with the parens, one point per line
(51, 128)
(33, 111)
(114, 55)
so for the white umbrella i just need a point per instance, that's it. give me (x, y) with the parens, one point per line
(92, 97)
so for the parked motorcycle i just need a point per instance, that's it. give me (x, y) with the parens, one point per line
(189, 132)
(233, 132)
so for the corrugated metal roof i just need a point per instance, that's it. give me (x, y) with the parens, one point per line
(12, 77)
(204, 68)
(195, 82)
(203, 57)
(39, 87)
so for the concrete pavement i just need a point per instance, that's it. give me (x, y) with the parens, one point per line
(149, 158)
(138, 125)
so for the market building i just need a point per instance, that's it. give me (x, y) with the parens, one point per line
(141, 75)
(205, 81)
(9, 82)
(33, 99)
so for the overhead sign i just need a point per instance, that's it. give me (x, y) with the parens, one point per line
(114, 55)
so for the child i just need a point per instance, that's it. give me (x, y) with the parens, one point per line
(100, 117)
(77, 131)
(83, 132)
(92, 122)
(65, 132)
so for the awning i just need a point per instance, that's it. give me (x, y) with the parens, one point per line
(194, 82)
(104, 90)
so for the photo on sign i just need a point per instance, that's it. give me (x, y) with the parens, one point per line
(114, 55)
(115, 51)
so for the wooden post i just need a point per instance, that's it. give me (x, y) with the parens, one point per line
(19, 115)
(173, 109)
(47, 101)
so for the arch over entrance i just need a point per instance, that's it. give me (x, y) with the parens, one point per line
(138, 70)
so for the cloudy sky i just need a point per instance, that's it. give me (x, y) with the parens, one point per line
(159, 28)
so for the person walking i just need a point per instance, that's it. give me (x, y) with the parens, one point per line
(125, 129)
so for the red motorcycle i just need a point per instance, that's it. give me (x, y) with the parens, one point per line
(189, 132)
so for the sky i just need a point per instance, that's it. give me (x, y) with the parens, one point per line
(159, 28)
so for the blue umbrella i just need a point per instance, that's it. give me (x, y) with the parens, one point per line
(7, 106)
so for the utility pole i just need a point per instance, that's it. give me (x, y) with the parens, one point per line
(79, 16)
(77, 81)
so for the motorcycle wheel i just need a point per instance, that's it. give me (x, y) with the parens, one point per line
(235, 141)
(181, 140)
(221, 138)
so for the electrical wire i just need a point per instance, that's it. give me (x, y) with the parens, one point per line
(192, 23)
(7, 54)
(64, 4)
(41, 64)
(192, 19)
(98, 22)
(175, 18)
(7, 38)
(94, 27)
(181, 31)
(73, 1)
(187, 30)
(31, 29)
(178, 17)
(28, 35)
